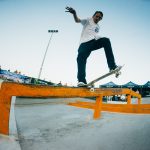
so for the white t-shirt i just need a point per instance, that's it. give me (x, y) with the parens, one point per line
(90, 30)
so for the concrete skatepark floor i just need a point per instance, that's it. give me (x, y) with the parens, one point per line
(58, 126)
(49, 124)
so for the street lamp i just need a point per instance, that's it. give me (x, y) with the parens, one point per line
(52, 32)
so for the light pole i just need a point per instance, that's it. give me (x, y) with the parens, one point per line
(52, 32)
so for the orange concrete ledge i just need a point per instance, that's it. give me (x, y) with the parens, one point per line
(122, 108)
(9, 89)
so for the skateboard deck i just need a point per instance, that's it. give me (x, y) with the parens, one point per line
(117, 72)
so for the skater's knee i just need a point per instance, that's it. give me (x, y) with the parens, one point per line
(80, 57)
(106, 40)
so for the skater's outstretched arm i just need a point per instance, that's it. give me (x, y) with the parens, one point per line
(72, 11)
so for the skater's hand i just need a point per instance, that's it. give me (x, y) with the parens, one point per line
(71, 10)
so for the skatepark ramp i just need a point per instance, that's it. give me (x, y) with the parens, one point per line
(9, 89)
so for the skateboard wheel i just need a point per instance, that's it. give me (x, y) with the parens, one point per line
(92, 89)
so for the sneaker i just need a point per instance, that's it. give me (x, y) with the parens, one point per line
(81, 84)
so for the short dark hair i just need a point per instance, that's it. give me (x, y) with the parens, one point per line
(98, 12)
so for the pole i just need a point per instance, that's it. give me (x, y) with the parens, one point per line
(51, 31)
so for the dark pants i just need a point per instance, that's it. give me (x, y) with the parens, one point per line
(84, 51)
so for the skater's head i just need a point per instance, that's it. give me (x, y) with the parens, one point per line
(98, 15)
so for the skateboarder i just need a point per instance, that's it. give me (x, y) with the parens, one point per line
(89, 42)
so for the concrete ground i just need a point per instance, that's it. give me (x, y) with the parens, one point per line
(49, 124)
(9, 143)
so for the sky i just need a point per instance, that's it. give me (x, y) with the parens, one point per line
(24, 36)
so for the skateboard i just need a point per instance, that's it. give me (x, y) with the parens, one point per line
(117, 73)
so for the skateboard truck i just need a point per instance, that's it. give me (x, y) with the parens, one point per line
(118, 74)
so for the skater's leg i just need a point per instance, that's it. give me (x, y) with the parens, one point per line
(106, 44)
(83, 54)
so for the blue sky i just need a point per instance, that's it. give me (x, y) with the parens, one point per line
(24, 38)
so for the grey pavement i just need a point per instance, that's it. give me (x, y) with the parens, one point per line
(9, 143)
(49, 124)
